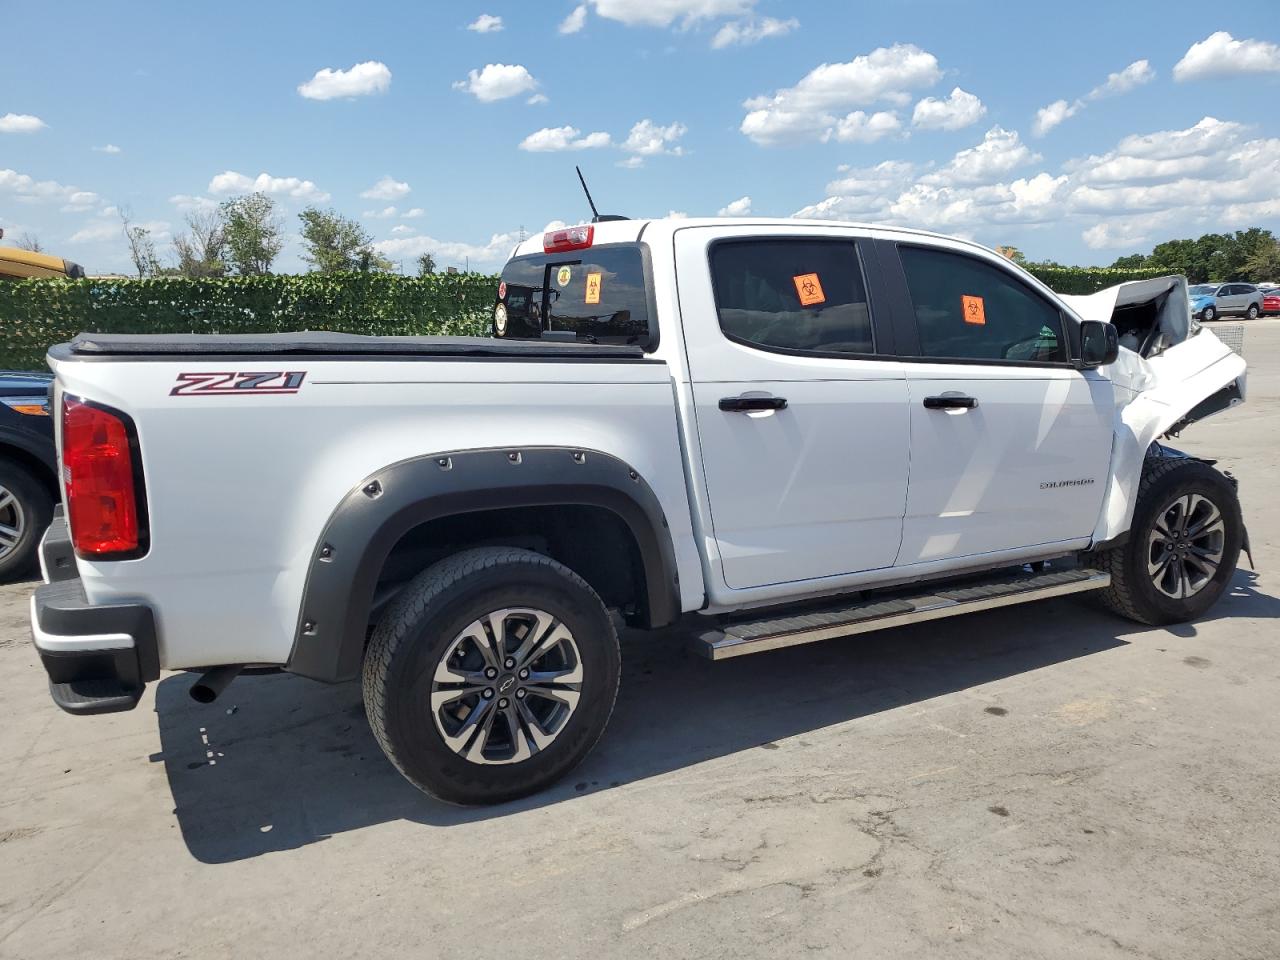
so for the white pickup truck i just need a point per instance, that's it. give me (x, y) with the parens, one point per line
(781, 431)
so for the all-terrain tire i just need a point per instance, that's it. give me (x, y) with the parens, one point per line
(415, 636)
(1133, 592)
(25, 518)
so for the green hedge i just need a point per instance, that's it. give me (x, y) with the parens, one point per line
(37, 313)
(1083, 280)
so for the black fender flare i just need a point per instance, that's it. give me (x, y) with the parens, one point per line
(329, 638)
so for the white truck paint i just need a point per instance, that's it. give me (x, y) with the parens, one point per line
(855, 484)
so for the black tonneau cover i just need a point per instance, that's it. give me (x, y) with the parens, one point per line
(321, 342)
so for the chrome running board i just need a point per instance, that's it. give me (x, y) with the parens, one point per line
(756, 636)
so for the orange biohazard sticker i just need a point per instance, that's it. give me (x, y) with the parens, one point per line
(975, 310)
(809, 289)
(593, 288)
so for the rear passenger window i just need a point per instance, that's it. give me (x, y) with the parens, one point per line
(967, 309)
(792, 295)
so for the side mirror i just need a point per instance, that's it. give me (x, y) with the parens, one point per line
(1099, 343)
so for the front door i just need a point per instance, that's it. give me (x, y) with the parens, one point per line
(803, 433)
(1010, 443)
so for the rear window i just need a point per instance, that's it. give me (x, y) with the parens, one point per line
(600, 295)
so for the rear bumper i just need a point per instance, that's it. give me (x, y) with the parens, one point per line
(100, 657)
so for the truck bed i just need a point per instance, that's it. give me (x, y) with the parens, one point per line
(322, 343)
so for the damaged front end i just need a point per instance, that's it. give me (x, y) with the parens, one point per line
(1171, 372)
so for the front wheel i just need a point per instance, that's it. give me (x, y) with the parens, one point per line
(1209, 314)
(1182, 548)
(492, 675)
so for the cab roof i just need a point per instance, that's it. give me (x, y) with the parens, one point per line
(24, 264)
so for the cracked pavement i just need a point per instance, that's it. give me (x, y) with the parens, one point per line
(1041, 781)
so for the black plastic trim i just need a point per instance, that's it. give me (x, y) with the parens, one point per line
(139, 483)
(57, 554)
(329, 638)
(1216, 402)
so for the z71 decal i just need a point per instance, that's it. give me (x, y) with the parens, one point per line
(231, 384)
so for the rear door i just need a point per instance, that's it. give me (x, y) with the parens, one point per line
(802, 427)
(1010, 443)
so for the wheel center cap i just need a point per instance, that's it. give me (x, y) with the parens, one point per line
(506, 682)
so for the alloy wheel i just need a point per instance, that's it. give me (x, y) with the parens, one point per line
(506, 686)
(13, 522)
(1185, 546)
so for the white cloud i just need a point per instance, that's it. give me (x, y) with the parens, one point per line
(21, 123)
(575, 21)
(959, 110)
(497, 81)
(810, 109)
(743, 32)
(232, 182)
(96, 231)
(80, 201)
(413, 214)
(859, 127)
(1049, 117)
(552, 139)
(385, 213)
(401, 229)
(1220, 54)
(185, 201)
(388, 188)
(737, 208)
(1151, 185)
(663, 13)
(1111, 235)
(631, 162)
(107, 148)
(363, 79)
(27, 189)
(648, 139)
(677, 215)
(485, 23)
(1000, 152)
(1131, 77)
(452, 252)
(537, 100)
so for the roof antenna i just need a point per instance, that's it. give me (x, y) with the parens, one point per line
(596, 216)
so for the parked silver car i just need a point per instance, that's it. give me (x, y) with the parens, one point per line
(1211, 300)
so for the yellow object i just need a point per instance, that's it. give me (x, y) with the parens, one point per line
(975, 310)
(18, 264)
(809, 289)
(593, 288)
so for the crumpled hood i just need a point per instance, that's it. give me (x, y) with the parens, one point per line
(1170, 293)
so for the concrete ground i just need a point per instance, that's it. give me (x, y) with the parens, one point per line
(1045, 781)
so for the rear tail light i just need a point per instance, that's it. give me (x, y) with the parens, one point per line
(102, 473)
(570, 238)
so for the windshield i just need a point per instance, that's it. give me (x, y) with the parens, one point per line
(1201, 290)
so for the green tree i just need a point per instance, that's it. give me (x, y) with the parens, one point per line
(426, 264)
(142, 248)
(252, 233)
(1134, 261)
(335, 244)
(201, 250)
(1264, 264)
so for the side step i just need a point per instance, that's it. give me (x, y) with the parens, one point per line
(755, 636)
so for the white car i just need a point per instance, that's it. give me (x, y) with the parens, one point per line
(714, 420)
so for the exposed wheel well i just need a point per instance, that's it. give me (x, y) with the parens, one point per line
(593, 542)
(34, 465)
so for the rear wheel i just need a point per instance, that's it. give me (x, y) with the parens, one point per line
(1182, 548)
(25, 513)
(493, 675)
(1252, 312)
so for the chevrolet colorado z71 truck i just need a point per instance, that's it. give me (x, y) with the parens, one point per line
(781, 430)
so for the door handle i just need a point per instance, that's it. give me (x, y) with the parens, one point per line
(950, 403)
(747, 404)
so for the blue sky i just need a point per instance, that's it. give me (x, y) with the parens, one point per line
(457, 121)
